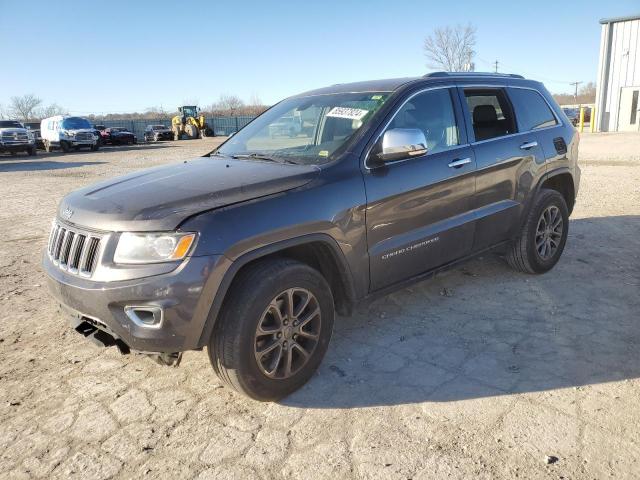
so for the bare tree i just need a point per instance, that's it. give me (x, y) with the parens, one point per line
(50, 111)
(586, 94)
(451, 48)
(229, 102)
(24, 107)
(156, 112)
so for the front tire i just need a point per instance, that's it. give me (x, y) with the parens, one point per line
(273, 330)
(543, 236)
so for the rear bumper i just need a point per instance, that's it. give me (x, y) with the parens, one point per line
(184, 295)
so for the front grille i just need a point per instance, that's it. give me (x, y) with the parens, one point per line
(15, 137)
(84, 136)
(74, 250)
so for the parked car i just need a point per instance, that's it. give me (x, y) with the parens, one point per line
(65, 132)
(250, 250)
(118, 136)
(14, 138)
(287, 126)
(573, 114)
(34, 128)
(154, 133)
(97, 130)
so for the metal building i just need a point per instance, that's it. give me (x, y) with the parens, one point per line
(618, 83)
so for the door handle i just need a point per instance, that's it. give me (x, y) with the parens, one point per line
(528, 145)
(460, 162)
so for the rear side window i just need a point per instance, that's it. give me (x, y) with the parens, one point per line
(531, 109)
(490, 112)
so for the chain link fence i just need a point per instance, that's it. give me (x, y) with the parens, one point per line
(221, 126)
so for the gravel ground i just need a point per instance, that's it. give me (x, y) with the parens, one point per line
(480, 372)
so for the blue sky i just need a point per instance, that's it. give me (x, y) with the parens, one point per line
(117, 56)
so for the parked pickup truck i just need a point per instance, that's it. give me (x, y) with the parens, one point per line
(251, 250)
(14, 138)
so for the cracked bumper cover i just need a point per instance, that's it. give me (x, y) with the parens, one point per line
(185, 295)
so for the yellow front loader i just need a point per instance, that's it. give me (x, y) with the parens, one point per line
(190, 123)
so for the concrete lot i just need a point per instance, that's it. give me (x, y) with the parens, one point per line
(481, 372)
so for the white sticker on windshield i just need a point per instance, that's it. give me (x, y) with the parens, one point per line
(350, 113)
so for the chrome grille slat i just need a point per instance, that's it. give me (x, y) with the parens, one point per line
(58, 245)
(74, 262)
(92, 250)
(73, 250)
(66, 247)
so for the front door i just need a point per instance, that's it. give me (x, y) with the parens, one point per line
(629, 111)
(418, 209)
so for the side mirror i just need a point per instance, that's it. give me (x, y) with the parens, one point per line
(401, 143)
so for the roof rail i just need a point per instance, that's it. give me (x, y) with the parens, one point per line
(471, 74)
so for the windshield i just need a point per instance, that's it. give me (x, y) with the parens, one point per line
(75, 123)
(10, 124)
(159, 127)
(310, 130)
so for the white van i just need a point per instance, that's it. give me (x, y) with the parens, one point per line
(66, 132)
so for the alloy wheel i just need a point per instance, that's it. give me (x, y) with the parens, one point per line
(287, 333)
(549, 232)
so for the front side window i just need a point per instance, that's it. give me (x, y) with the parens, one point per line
(309, 130)
(531, 109)
(490, 113)
(432, 113)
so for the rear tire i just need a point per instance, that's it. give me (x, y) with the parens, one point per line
(543, 236)
(32, 151)
(260, 297)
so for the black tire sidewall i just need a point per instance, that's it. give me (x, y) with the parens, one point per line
(250, 306)
(548, 199)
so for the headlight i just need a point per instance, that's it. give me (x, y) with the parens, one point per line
(153, 247)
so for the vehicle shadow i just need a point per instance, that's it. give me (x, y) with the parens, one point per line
(135, 146)
(483, 330)
(30, 165)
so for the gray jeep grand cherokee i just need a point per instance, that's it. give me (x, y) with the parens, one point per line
(252, 249)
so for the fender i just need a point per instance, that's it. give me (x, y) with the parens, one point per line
(534, 191)
(343, 271)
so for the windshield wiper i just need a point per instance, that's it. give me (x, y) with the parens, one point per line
(262, 156)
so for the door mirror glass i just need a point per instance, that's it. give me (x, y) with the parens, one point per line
(401, 143)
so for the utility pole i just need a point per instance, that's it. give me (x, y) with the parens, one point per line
(496, 66)
(575, 95)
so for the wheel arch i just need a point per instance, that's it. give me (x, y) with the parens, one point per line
(320, 251)
(562, 181)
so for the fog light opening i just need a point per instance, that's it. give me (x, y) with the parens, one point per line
(145, 316)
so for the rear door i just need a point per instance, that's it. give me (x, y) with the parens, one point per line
(535, 115)
(419, 209)
(507, 163)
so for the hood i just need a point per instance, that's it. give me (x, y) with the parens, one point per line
(12, 130)
(161, 198)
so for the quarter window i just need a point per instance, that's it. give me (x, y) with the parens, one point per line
(432, 112)
(490, 113)
(531, 109)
